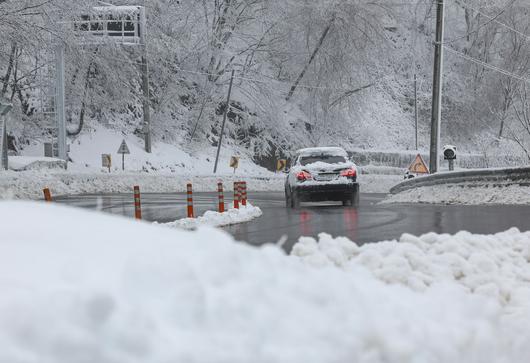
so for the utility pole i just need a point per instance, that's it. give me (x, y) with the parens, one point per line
(145, 84)
(5, 163)
(437, 88)
(145, 104)
(416, 107)
(224, 121)
(59, 103)
(5, 107)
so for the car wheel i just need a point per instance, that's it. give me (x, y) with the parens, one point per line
(355, 199)
(295, 200)
(287, 199)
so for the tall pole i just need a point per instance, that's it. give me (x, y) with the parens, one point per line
(59, 103)
(5, 107)
(437, 88)
(224, 122)
(145, 104)
(145, 82)
(5, 164)
(416, 107)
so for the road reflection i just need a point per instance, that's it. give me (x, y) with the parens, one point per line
(350, 217)
(306, 229)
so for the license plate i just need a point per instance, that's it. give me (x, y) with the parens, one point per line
(326, 177)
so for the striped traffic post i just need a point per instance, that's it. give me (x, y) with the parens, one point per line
(244, 193)
(221, 197)
(236, 195)
(190, 200)
(137, 203)
(47, 195)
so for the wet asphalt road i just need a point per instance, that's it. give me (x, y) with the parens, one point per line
(368, 223)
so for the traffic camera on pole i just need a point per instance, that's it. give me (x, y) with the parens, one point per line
(450, 155)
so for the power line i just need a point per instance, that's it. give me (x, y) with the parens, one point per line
(487, 65)
(493, 19)
(508, 4)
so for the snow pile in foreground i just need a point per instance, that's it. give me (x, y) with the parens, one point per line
(464, 194)
(496, 266)
(85, 287)
(216, 219)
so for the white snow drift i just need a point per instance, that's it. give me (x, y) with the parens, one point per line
(216, 219)
(467, 194)
(83, 287)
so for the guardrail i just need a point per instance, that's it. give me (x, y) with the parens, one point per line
(507, 176)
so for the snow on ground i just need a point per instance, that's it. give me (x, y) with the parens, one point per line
(19, 163)
(168, 169)
(496, 266)
(86, 151)
(377, 183)
(216, 219)
(464, 193)
(29, 185)
(84, 287)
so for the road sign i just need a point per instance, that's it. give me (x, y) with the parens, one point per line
(418, 166)
(281, 165)
(234, 162)
(106, 161)
(124, 149)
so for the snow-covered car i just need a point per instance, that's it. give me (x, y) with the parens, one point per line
(322, 174)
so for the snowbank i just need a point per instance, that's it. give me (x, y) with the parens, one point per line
(29, 184)
(496, 266)
(467, 194)
(373, 183)
(85, 287)
(19, 163)
(216, 219)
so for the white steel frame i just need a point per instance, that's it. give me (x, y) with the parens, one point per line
(94, 29)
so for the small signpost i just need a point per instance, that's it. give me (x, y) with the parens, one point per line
(281, 165)
(234, 163)
(418, 166)
(106, 161)
(124, 149)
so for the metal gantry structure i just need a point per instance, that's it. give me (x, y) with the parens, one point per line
(125, 25)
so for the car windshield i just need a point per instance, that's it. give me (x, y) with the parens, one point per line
(329, 159)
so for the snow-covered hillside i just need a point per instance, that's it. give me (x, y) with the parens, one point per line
(315, 73)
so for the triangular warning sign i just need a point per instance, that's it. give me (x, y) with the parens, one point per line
(124, 149)
(418, 166)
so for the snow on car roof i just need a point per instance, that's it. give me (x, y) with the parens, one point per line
(337, 151)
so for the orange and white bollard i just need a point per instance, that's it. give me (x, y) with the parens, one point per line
(244, 193)
(190, 200)
(137, 203)
(236, 195)
(221, 197)
(47, 195)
